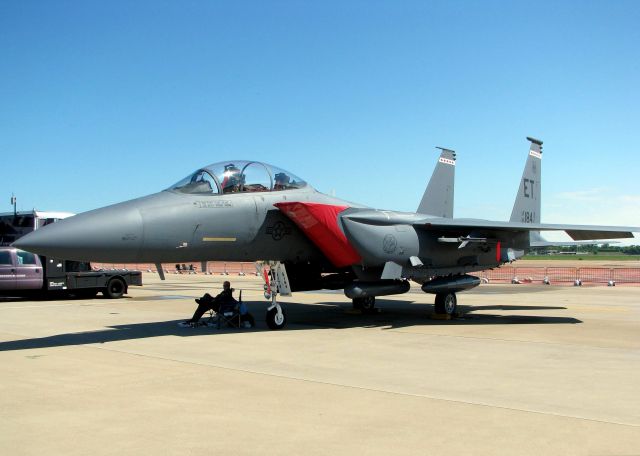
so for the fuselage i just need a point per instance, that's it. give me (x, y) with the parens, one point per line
(174, 227)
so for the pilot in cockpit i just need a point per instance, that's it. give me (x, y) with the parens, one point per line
(232, 179)
(281, 181)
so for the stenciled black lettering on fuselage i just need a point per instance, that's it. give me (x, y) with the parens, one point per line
(212, 204)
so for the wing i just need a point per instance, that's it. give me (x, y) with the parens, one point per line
(576, 232)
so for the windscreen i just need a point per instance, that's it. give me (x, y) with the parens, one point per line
(200, 182)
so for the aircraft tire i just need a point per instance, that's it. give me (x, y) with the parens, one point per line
(274, 321)
(367, 304)
(115, 288)
(446, 303)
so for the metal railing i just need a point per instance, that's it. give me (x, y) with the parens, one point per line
(563, 275)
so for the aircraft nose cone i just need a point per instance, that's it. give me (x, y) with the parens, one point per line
(111, 234)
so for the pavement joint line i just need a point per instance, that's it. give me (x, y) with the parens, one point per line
(363, 388)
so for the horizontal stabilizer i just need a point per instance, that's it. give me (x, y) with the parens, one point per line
(587, 235)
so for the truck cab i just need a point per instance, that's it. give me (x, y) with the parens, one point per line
(20, 270)
(24, 273)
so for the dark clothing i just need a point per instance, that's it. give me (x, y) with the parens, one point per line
(248, 317)
(208, 302)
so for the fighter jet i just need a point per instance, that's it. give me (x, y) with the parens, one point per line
(241, 210)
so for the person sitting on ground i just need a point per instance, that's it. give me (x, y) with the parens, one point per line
(208, 302)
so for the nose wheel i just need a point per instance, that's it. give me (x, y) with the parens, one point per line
(276, 318)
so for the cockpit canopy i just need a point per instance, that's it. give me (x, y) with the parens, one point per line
(238, 176)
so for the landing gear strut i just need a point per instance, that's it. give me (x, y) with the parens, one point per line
(446, 303)
(276, 281)
(367, 304)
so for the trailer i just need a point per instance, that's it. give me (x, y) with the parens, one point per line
(24, 273)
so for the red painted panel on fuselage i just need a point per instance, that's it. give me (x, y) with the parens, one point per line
(320, 223)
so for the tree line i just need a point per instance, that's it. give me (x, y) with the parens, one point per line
(598, 248)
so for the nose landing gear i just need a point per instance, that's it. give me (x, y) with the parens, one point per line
(276, 281)
(276, 318)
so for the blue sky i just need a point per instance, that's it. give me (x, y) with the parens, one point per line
(106, 101)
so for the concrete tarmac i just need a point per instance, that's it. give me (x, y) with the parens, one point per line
(529, 370)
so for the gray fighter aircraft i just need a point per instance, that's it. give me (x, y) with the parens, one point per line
(250, 211)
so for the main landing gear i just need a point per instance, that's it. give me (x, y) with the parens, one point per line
(446, 303)
(365, 305)
(445, 289)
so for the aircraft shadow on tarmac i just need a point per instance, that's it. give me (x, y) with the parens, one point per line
(501, 307)
(395, 314)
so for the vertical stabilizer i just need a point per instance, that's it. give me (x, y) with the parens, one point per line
(526, 208)
(438, 197)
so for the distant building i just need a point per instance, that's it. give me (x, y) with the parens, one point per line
(14, 226)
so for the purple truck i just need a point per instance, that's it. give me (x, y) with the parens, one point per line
(23, 273)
